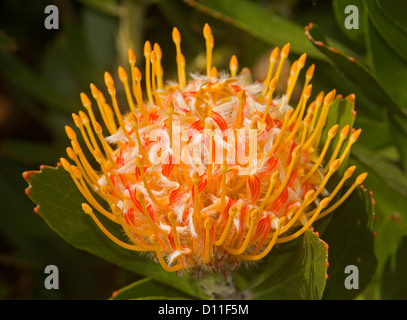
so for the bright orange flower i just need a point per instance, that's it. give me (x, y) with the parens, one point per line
(209, 171)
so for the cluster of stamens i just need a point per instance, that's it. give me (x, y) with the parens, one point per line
(211, 171)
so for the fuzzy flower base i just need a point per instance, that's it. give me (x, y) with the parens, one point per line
(209, 171)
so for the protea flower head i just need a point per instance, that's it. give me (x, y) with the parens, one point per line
(207, 171)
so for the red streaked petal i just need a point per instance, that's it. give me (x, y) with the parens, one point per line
(254, 186)
(219, 121)
(175, 195)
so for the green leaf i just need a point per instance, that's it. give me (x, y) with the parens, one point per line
(393, 35)
(391, 71)
(109, 7)
(389, 199)
(350, 238)
(22, 78)
(381, 100)
(262, 24)
(390, 68)
(292, 271)
(359, 75)
(339, 9)
(375, 134)
(147, 287)
(393, 286)
(389, 173)
(396, 10)
(59, 201)
(398, 128)
(389, 235)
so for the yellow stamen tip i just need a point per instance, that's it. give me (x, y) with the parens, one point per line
(208, 223)
(65, 164)
(294, 68)
(319, 99)
(207, 32)
(355, 135)
(307, 119)
(122, 74)
(273, 84)
(139, 196)
(310, 72)
(324, 202)
(71, 154)
(84, 117)
(307, 91)
(97, 127)
(195, 177)
(77, 120)
(172, 217)
(335, 165)
(86, 208)
(330, 97)
(301, 60)
(274, 177)
(214, 72)
(345, 131)
(147, 48)
(309, 195)
(232, 211)
(233, 65)
(132, 57)
(176, 36)
(286, 50)
(254, 214)
(77, 173)
(85, 100)
(108, 79)
(70, 133)
(157, 50)
(349, 172)
(362, 177)
(332, 132)
(95, 91)
(274, 54)
(153, 57)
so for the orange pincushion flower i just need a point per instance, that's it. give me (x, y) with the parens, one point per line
(211, 171)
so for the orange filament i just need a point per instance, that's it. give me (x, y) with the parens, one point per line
(88, 210)
(269, 246)
(273, 58)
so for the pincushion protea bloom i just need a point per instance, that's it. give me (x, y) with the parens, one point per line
(211, 171)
